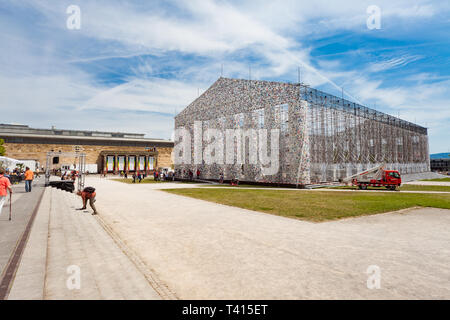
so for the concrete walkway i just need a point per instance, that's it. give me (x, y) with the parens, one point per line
(65, 243)
(149, 244)
(11, 232)
(203, 250)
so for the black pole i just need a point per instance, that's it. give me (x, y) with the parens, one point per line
(10, 205)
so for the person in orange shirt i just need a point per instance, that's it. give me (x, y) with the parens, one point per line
(5, 185)
(29, 175)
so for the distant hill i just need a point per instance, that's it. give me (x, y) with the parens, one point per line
(440, 155)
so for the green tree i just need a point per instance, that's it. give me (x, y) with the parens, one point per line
(2, 148)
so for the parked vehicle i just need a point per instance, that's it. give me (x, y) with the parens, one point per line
(376, 177)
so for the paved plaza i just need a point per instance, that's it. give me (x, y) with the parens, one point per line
(11, 232)
(150, 244)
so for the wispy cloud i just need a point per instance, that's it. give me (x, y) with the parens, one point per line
(397, 62)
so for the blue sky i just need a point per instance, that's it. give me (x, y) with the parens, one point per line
(133, 64)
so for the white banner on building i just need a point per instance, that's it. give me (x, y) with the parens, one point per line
(150, 163)
(131, 161)
(110, 163)
(121, 163)
(141, 162)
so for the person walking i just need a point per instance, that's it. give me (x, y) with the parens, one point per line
(5, 185)
(29, 175)
(88, 193)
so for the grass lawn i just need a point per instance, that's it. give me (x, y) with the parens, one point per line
(438, 180)
(405, 187)
(316, 206)
(413, 187)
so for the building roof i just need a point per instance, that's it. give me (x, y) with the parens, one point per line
(20, 130)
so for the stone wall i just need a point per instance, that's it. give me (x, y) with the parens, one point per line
(25, 151)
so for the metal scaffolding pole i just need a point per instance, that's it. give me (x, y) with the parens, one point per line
(81, 166)
(345, 136)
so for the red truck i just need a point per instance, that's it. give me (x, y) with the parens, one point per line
(376, 177)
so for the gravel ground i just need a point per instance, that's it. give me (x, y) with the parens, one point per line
(203, 250)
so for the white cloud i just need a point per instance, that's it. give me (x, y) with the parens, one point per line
(42, 94)
(156, 95)
(272, 33)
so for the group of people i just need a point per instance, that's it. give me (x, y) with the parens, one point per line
(5, 183)
(189, 173)
(88, 194)
(158, 175)
(15, 176)
(72, 175)
(164, 175)
(138, 176)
